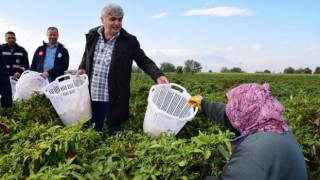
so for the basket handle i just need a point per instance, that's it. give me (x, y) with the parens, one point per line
(177, 85)
(63, 77)
(68, 76)
(25, 72)
(167, 86)
(84, 75)
(157, 85)
(13, 78)
(31, 72)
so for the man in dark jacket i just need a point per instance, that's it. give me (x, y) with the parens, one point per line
(52, 58)
(14, 56)
(5, 87)
(108, 58)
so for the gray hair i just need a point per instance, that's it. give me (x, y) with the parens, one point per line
(113, 10)
(53, 28)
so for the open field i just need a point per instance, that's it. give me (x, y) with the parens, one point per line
(35, 143)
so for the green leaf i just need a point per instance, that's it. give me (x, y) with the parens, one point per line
(182, 163)
(154, 146)
(70, 161)
(112, 176)
(77, 175)
(172, 156)
(207, 154)
(197, 151)
(223, 152)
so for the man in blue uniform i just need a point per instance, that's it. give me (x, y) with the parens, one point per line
(14, 56)
(5, 87)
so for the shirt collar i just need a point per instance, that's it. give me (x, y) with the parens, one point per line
(56, 45)
(100, 30)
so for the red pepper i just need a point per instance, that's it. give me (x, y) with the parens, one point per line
(4, 128)
(70, 154)
(36, 164)
(130, 155)
(312, 122)
(155, 165)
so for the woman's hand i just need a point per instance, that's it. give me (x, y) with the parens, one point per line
(195, 101)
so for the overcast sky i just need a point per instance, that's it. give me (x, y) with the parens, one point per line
(250, 34)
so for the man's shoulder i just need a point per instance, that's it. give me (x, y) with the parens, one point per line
(61, 46)
(4, 46)
(41, 47)
(126, 36)
(94, 30)
(125, 33)
(20, 48)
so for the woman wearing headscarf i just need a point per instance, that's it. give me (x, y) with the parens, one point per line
(264, 146)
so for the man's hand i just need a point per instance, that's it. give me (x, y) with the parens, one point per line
(17, 75)
(162, 80)
(45, 74)
(195, 101)
(80, 72)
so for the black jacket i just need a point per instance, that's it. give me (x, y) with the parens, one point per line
(126, 49)
(16, 61)
(5, 86)
(61, 61)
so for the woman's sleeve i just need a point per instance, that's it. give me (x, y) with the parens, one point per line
(216, 111)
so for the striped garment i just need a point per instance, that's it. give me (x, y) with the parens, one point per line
(16, 60)
(101, 65)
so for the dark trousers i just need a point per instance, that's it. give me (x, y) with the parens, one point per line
(100, 111)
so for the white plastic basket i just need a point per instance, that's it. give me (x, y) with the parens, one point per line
(13, 82)
(29, 83)
(168, 109)
(69, 95)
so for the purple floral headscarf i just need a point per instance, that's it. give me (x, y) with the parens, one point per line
(252, 107)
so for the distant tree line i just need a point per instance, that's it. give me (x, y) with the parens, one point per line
(307, 70)
(192, 66)
(288, 70)
(232, 70)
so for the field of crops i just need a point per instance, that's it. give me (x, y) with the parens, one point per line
(35, 144)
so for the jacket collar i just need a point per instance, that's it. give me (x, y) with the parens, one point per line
(123, 32)
(45, 44)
